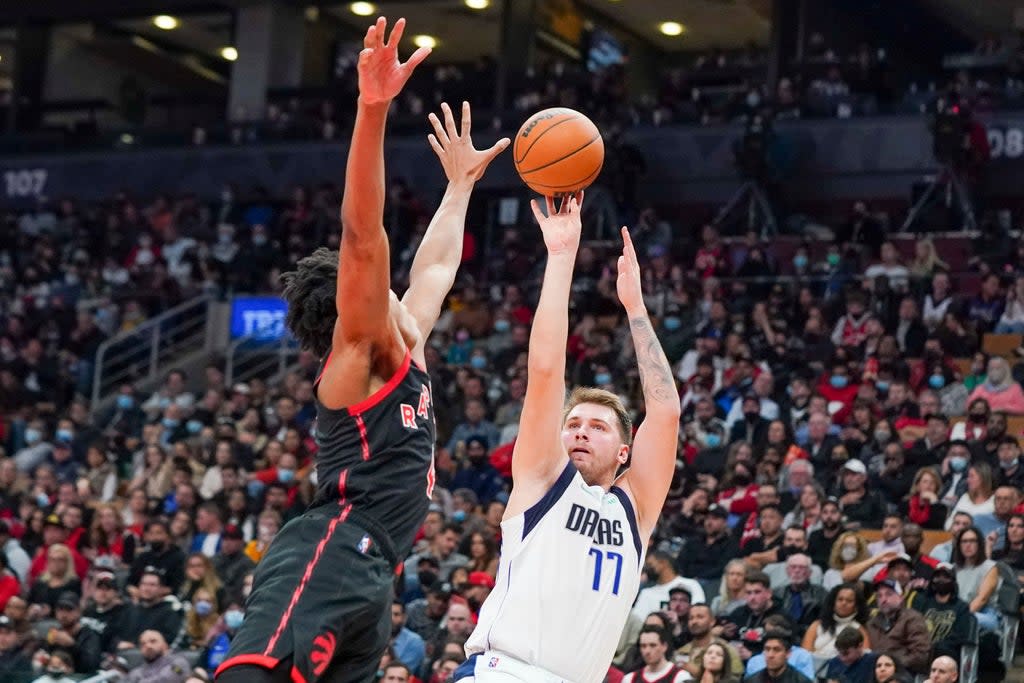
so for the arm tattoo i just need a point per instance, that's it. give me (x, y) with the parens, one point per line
(655, 374)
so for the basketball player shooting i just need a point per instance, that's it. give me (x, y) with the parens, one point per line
(574, 533)
(320, 605)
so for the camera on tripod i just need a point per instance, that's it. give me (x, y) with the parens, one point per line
(950, 129)
(751, 152)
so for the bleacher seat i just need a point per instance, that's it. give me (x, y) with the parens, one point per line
(1001, 344)
(969, 654)
(1008, 599)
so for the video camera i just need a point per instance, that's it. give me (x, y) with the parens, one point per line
(950, 129)
(751, 151)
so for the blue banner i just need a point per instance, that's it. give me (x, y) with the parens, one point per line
(262, 316)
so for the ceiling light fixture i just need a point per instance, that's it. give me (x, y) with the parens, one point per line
(165, 22)
(362, 9)
(672, 28)
(229, 53)
(424, 41)
(478, 4)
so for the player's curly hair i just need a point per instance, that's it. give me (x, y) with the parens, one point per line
(310, 291)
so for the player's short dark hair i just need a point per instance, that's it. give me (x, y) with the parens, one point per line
(659, 631)
(758, 577)
(311, 291)
(848, 638)
(608, 400)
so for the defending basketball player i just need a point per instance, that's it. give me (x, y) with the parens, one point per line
(320, 605)
(574, 531)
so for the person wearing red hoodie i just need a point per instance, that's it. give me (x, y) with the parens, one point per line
(54, 532)
(837, 386)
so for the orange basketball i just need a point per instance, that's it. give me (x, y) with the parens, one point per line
(558, 151)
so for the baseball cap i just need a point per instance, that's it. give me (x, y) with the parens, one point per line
(241, 388)
(5, 622)
(442, 588)
(902, 557)
(53, 520)
(232, 531)
(481, 579)
(680, 589)
(892, 585)
(718, 511)
(68, 599)
(855, 466)
(105, 577)
(945, 567)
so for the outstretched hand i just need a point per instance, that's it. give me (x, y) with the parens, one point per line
(628, 282)
(459, 158)
(561, 228)
(381, 75)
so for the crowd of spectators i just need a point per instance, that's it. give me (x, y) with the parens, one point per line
(837, 390)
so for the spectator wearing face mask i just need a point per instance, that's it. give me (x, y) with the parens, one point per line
(476, 472)
(948, 617)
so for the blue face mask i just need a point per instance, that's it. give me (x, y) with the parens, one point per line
(32, 436)
(958, 463)
(169, 422)
(124, 402)
(459, 516)
(233, 619)
(800, 261)
(882, 386)
(203, 607)
(64, 435)
(838, 381)
(712, 440)
(673, 323)
(936, 381)
(501, 326)
(285, 475)
(602, 378)
(194, 426)
(478, 362)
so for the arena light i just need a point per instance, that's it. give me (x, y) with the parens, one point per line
(166, 22)
(478, 4)
(672, 28)
(362, 9)
(424, 41)
(229, 53)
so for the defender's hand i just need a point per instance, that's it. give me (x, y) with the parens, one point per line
(459, 158)
(562, 228)
(381, 75)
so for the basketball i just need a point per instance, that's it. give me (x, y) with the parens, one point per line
(558, 151)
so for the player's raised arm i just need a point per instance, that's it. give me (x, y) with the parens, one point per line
(539, 457)
(364, 282)
(654, 448)
(438, 256)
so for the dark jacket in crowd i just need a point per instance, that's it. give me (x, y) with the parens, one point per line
(110, 623)
(165, 616)
(949, 623)
(904, 636)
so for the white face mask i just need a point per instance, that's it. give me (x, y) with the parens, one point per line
(848, 553)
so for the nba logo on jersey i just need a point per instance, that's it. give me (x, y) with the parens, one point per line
(364, 544)
(493, 663)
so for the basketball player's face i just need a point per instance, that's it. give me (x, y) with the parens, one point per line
(591, 438)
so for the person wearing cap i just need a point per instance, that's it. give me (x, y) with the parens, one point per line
(704, 558)
(74, 635)
(424, 616)
(408, 645)
(857, 503)
(748, 424)
(899, 630)
(106, 612)
(478, 586)
(232, 564)
(15, 665)
(55, 533)
(948, 617)
(661, 572)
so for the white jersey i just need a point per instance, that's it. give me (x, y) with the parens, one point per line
(568, 575)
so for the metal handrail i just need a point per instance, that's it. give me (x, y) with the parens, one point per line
(263, 355)
(151, 343)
